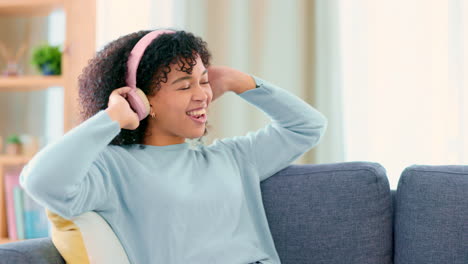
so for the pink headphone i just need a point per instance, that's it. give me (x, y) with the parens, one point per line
(136, 97)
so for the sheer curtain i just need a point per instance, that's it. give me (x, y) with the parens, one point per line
(328, 79)
(404, 89)
(54, 96)
(263, 37)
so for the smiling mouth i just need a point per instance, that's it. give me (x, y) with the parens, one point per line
(199, 118)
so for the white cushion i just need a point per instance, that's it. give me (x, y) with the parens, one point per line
(101, 243)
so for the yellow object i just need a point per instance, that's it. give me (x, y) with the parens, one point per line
(68, 240)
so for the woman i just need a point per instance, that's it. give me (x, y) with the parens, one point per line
(168, 202)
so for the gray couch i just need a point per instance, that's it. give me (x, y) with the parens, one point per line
(346, 213)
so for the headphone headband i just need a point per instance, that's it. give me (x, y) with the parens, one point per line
(137, 53)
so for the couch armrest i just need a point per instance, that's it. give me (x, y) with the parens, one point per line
(31, 251)
(431, 217)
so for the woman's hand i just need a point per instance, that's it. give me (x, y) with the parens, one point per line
(224, 79)
(119, 109)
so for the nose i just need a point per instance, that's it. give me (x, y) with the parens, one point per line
(200, 94)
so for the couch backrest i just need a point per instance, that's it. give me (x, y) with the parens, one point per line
(431, 215)
(330, 213)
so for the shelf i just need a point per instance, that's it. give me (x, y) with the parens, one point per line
(4, 240)
(13, 160)
(29, 7)
(79, 28)
(28, 83)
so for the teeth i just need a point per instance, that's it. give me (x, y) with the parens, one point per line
(197, 113)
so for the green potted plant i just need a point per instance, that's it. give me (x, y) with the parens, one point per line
(48, 59)
(13, 145)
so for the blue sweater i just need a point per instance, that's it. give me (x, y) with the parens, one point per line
(178, 204)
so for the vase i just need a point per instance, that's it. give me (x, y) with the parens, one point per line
(46, 69)
(13, 149)
(12, 69)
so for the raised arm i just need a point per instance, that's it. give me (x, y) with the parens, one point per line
(70, 176)
(74, 174)
(296, 127)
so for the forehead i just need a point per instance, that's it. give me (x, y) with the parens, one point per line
(180, 68)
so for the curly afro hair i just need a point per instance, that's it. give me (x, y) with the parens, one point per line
(107, 72)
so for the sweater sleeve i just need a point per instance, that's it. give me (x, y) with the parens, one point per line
(71, 176)
(296, 127)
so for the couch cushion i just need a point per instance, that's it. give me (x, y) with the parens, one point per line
(31, 251)
(68, 240)
(87, 238)
(330, 213)
(431, 218)
(102, 245)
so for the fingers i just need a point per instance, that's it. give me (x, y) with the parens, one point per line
(122, 90)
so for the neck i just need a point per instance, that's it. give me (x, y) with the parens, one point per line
(160, 140)
(159, 137)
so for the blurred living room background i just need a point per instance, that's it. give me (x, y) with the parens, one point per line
(390, 75)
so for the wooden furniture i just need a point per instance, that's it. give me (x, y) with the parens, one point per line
(79, 47)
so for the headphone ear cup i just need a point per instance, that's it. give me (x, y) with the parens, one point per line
(144, 100)
(139, 103)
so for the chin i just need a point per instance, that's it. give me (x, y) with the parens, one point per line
(196, 135)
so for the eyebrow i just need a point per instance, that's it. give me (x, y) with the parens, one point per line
(187, 77)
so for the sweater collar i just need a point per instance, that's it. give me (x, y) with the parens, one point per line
(181, 146)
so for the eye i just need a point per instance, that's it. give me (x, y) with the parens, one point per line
(186, 88)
